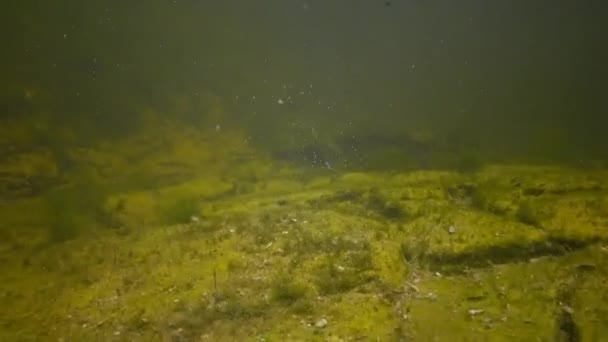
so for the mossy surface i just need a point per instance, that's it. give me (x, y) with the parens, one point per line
(209, 247)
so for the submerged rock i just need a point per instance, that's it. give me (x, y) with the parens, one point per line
(321, 323)
(475, 312)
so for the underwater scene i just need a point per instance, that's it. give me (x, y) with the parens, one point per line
(303, 170)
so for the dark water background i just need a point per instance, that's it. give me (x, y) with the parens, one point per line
(510, 79)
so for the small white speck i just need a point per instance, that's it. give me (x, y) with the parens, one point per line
(280, 101)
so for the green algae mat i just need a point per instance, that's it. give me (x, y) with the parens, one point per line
(194, 243)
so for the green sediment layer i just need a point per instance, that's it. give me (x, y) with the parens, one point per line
(179, 242)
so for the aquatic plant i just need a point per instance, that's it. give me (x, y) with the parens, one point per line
(527, 214)
(193, 320)
(415, 251)
(285, 290)
(338, 275)
(180, 211)
(72, 210)
(386, 209)
(480, 199)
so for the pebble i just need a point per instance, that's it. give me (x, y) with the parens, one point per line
(322, 323)
(452, 230)
(474, 312)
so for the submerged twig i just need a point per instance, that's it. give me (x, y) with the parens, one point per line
(412, 286)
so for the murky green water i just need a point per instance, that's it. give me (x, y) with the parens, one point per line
(303, 170)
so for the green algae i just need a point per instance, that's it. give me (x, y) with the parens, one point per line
(419, 255)
(287, 291)
(181, 211)
(527, 214)
(73, 210)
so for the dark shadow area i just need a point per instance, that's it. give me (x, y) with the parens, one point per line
(501, 254)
